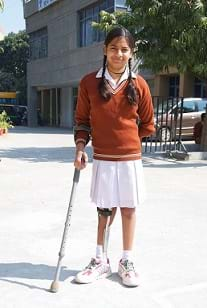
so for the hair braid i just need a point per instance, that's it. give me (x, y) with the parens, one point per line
(105, 93)
(131, 91)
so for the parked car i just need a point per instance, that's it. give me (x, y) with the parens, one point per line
(174, 117)
(15, 112)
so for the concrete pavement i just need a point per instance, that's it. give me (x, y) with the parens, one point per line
(36, 171)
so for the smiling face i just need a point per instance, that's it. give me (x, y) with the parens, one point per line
(118, 53)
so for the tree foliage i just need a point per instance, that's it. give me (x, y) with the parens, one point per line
(1, 4)
(14, 55)
(168, 33)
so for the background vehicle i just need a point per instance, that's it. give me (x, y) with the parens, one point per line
(174, 117)
(15, 112)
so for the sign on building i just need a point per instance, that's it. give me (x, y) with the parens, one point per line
(44, 3)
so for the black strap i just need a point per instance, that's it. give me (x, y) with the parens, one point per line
(104, 211)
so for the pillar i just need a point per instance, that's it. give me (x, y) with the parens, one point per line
(32, 107)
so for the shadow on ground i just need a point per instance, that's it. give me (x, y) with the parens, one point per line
(160, 162)
(40, 154)
(9, 271)
(44, 130)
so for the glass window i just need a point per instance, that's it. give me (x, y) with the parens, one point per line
(174, 86)
(121, 3)
(202, 105)
(89, 32)
(199, 88)
(38, 42)
(103, 6)
(189, 106)
(89, 35)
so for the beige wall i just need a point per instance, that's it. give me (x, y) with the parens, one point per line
(161, 85)
(66, 63)
(186, 86)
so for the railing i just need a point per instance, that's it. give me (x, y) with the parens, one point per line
(168, 117)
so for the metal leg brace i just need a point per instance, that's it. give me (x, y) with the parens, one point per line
(106, 213)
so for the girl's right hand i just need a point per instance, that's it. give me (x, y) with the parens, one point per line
(81, 160)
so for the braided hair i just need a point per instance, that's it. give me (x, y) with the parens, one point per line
(103, 89)
(131, 91)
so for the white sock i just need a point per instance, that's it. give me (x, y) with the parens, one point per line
(99, 251)
(126, 255)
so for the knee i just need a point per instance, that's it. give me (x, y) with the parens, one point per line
(103, 217)
(127, 212)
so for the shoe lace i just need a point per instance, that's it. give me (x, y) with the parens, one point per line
(128, 265)
(91, 264)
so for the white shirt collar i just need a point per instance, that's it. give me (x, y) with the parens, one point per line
(111, 80)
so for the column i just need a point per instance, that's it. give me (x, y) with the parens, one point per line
(32, 106)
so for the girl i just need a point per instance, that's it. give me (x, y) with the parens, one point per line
(110, 103)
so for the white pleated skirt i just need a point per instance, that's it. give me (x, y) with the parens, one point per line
(117, 184)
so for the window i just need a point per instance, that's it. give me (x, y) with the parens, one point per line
(189, 106)
(38, 42)
(202, 105)
(89, 35)
(120, 4)
(174, 86)
(199, 88)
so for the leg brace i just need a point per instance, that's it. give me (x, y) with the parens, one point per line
(107, 213)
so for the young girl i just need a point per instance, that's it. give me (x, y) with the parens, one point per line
(110, 103)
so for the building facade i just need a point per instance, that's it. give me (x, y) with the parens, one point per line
(63, 48)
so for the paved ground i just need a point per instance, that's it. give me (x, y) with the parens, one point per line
(36, 171)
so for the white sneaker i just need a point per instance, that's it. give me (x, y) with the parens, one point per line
(96, 269)
(128, 274)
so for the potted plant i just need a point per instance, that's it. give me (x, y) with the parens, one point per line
(5, 123)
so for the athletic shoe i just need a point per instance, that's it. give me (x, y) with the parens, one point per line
(128, 274)
(96, 269)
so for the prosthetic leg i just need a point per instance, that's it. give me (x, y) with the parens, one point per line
(106, 213)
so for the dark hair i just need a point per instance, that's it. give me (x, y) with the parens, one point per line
(131, 91)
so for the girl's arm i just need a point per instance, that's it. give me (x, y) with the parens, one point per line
(145, 110)
(82, 127)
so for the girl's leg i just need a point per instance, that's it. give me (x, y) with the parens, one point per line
(101, 226)
(126, 268)
(128, 227)
(98, 267)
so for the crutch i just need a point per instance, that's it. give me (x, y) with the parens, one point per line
(106, 213)
(55, 284)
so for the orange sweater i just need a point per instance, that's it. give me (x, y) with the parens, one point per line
(113, 124)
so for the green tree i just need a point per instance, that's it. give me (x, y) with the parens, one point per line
(7, 82)
(1, 4)
(167, 33)
(14, 56)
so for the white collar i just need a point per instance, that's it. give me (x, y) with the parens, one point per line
(123, 77)
(113, 83)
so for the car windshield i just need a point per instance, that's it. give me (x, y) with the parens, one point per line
(166, 105)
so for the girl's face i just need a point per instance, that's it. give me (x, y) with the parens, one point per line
(118, 53)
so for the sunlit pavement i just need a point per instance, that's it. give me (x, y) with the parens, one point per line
(36, 172)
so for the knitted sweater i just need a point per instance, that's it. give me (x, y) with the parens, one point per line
(113, 124)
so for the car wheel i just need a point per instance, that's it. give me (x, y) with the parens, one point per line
(164, 134)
